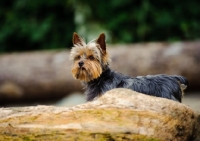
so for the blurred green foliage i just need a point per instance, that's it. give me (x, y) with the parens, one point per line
(35, 24)
(145, 20)
(47, 24)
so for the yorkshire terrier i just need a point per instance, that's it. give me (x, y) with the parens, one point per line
(91, 67)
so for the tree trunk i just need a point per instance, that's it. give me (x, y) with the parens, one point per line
(120, 114)
(47, 74)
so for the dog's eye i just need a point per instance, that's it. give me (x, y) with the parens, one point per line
(78, 57)
(91, 57)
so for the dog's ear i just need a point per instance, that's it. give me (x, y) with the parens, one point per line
(101, 41)
(77, 39)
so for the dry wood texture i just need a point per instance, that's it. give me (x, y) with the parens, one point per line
(47, 74)
(120, 114)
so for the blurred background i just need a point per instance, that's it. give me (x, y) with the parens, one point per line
(151, 36)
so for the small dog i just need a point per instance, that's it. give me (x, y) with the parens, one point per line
(91, 67)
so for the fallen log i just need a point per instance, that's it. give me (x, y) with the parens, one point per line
(120, 114)
(36, 75)
(180, 58)
(47, 74)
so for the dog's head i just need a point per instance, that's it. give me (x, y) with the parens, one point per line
(90, 60)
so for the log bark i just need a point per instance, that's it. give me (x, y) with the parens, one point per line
(47, 74)
(120, 114)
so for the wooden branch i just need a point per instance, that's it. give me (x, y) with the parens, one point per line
(120, 114)
(47, 74)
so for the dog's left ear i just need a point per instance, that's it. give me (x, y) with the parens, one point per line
(101, 41)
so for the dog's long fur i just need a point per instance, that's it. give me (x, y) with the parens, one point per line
(166, 86)
(91, 67)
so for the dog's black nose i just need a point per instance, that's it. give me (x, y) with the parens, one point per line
(80, 63)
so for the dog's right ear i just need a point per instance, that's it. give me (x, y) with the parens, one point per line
(77, 39)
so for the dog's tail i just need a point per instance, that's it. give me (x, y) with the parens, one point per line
(183, 82)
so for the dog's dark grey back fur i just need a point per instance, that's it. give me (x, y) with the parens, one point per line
(166, 86)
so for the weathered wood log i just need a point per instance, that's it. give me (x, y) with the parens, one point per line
(36, 75)
(181, 58)
(47, 74)
(120, 114)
